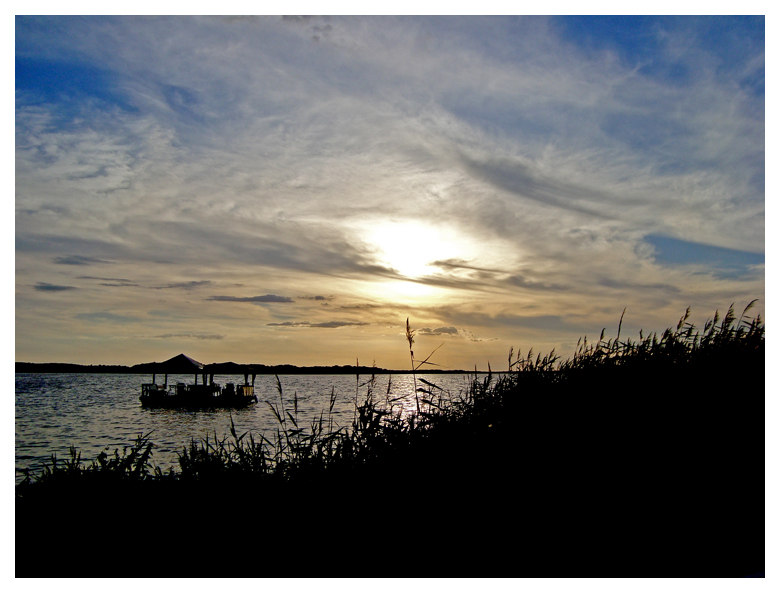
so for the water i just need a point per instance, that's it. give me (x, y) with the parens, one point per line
(94, 411)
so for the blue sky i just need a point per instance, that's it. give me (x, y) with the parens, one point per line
(290, 190)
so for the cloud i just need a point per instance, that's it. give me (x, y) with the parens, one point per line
(188, 285)
(518, 280)
(633, 286)
(104, 316)
(468, 335)
(439, 331)
(46, 287)
(271, 153)
(481, 278)
(48, 243)
(324, 324)
(453, 332)
(461, 264)
(122, 280)
(519, 179)
(507, 320)
(116, 282)
(266, 298)
(190, 336)
(79, 260)
(362, 307)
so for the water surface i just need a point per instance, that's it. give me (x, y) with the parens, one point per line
(96, 411)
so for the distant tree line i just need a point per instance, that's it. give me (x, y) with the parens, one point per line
(261, 369)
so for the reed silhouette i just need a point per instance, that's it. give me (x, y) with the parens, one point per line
(631, 459)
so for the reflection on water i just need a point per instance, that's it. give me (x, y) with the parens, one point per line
(95, 411)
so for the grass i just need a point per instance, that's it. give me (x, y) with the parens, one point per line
(627, 443)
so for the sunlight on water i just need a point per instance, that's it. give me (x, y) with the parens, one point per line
(95, 411)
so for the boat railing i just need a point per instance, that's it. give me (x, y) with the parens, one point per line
(182, 390)
(152, 388)
(202, 390)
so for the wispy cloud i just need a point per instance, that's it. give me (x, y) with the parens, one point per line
(188, 285)
(117, 282)
(323, 324)
(536, 173)
(190, 336)
(452, 332)
(107, 317)
(78, 260)
(439, 331)
(46, 287)
(266, 298)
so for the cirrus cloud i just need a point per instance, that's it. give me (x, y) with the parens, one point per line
(322, 324)
(266, 298)
(574, 166)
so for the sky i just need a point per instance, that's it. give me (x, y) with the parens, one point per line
(289, 190)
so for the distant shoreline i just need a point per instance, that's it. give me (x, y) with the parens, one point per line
(284, 369)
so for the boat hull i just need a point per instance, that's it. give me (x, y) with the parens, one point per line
(196, 402)
(197, 396)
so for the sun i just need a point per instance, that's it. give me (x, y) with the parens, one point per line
(411, 248)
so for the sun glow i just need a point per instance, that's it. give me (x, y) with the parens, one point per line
(411, 248)
(409, 291)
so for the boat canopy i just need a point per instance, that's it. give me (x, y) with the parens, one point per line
(180, 364)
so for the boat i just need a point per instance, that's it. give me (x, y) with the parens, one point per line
(207, 394)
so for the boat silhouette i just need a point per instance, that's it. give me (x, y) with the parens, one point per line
(206, 394)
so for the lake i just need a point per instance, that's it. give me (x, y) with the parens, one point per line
(93, 412)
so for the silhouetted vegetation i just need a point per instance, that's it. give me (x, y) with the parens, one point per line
(632, 458)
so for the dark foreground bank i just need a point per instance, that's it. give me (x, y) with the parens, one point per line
(633, 459)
